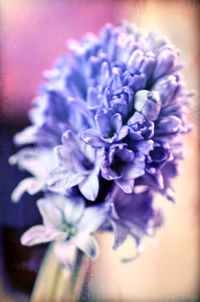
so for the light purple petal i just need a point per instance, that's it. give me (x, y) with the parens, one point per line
(168, 125)
(64, 155)
(138, 167)
(107, 172)
(34, 235)
(123, 132)
(165, 63)
(87, 244)
(144, 146)
(61, 178)
(29, 159)
(50, 213)
(73, 209)
(31, 185)
(116, 122)
(103, 120)
(93, 217)
(125, 184)
(110, 140)
(89, 187)
(92, 98)
(69, 140)
(41, 234)
(136, 118)
(90, 136)
(26, 136)
(65, 253)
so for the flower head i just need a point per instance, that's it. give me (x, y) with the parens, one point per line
(112, 116)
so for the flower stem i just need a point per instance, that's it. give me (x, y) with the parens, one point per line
(56, 284)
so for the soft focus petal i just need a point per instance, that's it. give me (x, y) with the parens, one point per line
(26, 136)
(50, 213)
(34, 235)
(30, 185)
(73, 209)
(126, 185)
(62, 178)
(120, 234)
(69, 140)
(168, 125)
(90, 136)
(65, 253)
(93, 217)
(41, 234)
(87, 244)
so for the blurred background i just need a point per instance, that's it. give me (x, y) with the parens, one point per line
(33, 34)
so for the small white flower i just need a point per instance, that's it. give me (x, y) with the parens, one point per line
(70, 224)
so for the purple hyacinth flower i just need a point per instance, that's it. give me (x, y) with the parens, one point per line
(133, 214)
(140, 128)
(109, 129)
(157, 157)
(79, 165)
(123, 166)
(114, 113)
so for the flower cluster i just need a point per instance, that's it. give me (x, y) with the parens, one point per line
(105, 136)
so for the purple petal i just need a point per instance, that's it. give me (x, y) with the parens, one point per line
(165, 63)
(144, 146)
(90, 136)
(168, 125)
(89, 187)
(135, 208)
(120, 234)
(126, 155)
(136, 118)
(104, 122)
(167, 87)
(116, 122)
(136, 169)
(69, 140)
(123, 132)
(107, 172)
(126, 185)
(62, 178)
